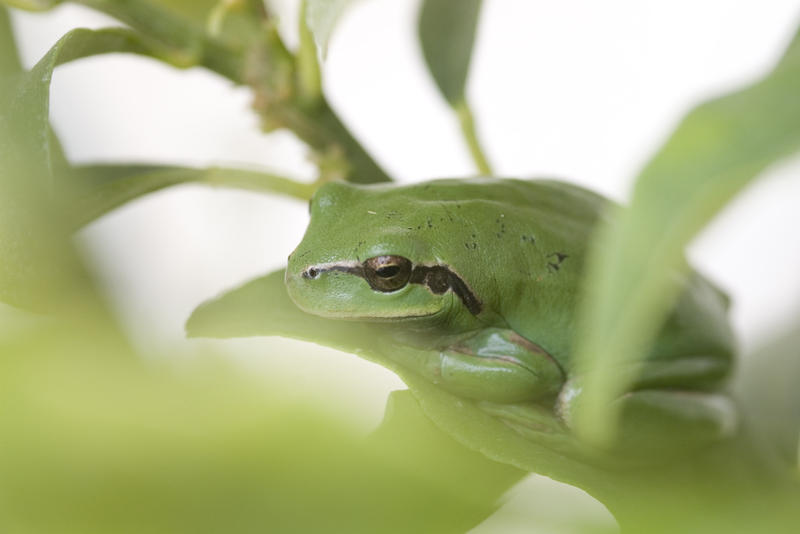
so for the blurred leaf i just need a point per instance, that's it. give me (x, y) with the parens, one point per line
(715, 152)
(94, 190)
(707, 488)
(236, 21)
(447, 31)
(37, 264)
(321, 17)
(9, 59)
(423, 443)
(32, 5)
(25, 143)
(177, 29)
(199, 11)
(175, 32)
(97, 443)
(195, 10)
(263, 308)
(767, 384)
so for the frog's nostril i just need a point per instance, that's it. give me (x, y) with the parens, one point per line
(311, 272)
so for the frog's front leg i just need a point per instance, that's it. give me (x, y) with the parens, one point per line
(493, 364)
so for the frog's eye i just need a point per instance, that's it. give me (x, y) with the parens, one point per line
(387, 273)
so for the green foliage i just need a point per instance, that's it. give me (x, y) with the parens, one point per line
(35, 246)
(321, 17)
(96, 439)
(645, 497)
(98, 189)
(242, 313)
(33, 5)
(310, 82)
(767, 381)
(717, 150)
(34, 241)
(9, 62)
(196, 11)
(447, 32)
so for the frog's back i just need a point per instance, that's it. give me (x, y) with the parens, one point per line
(522, 246)
(553, 197)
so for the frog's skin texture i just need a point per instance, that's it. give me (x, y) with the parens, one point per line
(477, 283)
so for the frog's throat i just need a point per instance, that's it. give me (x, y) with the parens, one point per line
(437, 278)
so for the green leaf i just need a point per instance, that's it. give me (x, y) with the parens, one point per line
(177, 29)
(93, 190)
(24, 138)
(262, 307)
(195, 10)
(719, 148)
(176, 32)
(767, 385)
(321, 18)
(9, 59)
(447, 31)
(235, 22)
(423, 443)
(237, 15)
(36, 262)
(95, 440)
(32, 5)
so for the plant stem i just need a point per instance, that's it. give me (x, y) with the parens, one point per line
(308, 73)
(187, 44)
(133, 182)
(471, 137)
(257, 181)
(323, 131)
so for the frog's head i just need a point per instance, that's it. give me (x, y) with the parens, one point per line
(369, 254)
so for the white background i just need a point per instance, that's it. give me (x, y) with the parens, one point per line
(577, 89)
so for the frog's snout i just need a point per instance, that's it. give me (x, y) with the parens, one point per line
(294, 282)
(294, 268)
(292, 254)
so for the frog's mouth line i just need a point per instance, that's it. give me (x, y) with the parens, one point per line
(437, 278)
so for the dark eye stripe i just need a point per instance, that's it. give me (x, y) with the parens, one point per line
(439, 278)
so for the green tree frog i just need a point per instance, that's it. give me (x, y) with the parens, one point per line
(476, 284)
